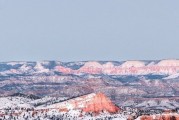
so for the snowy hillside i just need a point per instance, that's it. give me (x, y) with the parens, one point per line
(23, 108)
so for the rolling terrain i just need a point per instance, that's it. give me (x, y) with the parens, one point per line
(142, 85)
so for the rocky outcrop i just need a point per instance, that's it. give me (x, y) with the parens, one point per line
(100, 103)
(94, 103)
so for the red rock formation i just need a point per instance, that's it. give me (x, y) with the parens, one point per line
(88, 103)
(99, 103)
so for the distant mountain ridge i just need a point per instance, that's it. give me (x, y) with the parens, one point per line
(160, 67)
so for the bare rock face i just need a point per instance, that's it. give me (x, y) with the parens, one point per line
(99, 103)
(95, 103)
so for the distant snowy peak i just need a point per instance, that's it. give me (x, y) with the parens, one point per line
(92, 64)
(136, 64)
(40, 68)
(25, 68)
(108, 65)
(168, 63)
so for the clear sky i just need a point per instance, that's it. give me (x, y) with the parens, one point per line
(75, 30)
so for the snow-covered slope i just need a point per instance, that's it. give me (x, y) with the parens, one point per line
(14, 102)
(87, 103)
(91, 106)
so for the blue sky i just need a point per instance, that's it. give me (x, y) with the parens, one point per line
(75, 30)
